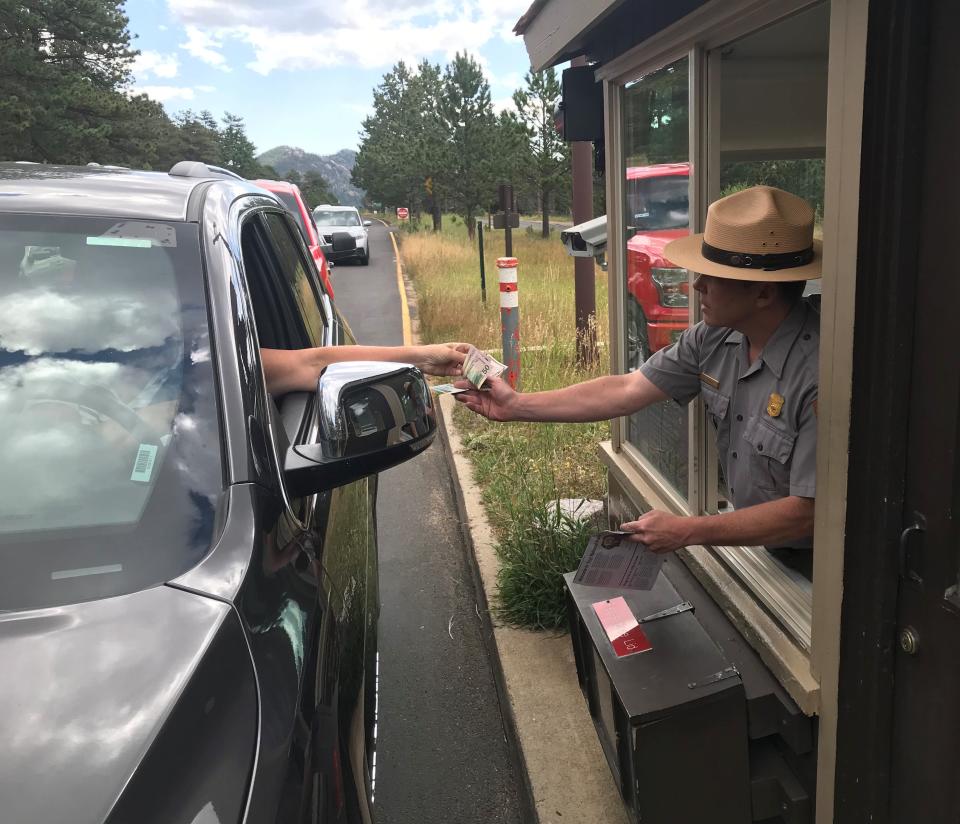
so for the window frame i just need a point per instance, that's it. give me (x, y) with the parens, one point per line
(802, 672)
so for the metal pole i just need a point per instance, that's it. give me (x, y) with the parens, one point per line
(483, 274)
(510, 318)
(585, 295)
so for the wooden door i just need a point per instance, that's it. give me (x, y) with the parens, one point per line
(925, 749)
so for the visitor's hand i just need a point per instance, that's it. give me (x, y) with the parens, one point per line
(443, 359)
(659, 531)
(496, 401)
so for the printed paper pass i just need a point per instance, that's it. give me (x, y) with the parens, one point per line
(611, 559)
(621, 626)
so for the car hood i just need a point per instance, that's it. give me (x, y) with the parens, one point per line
(83, 692)
(653, 242)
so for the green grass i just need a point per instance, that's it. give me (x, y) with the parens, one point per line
(520, 467)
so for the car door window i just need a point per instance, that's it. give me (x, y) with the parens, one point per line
(295, 269)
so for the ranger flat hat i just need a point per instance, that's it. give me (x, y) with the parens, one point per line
(760, 234)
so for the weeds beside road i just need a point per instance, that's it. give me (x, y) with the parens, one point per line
(521, 467)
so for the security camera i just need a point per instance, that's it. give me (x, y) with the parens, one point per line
(586, 239)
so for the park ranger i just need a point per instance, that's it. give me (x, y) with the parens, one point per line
(753, 358)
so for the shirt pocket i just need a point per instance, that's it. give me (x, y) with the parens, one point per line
(717, 406)
(770, 450)
(715, 403)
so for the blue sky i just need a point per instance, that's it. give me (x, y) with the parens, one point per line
(302, 72)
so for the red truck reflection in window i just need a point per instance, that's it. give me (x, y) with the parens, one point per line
(658, 211)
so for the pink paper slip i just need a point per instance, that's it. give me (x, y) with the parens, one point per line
(622, 628)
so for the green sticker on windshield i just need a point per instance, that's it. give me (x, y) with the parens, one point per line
(136, 242)
(143, 466)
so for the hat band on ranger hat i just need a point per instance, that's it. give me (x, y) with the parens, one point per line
(767, 263)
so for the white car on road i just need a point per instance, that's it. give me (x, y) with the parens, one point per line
(334, 219)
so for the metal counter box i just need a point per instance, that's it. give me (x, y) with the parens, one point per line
(672, 721)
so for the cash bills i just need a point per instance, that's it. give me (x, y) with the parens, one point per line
(447, 389)
(479, 366)
(611, 559)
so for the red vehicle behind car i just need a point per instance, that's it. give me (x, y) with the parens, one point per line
(658, 211)
(289, 195)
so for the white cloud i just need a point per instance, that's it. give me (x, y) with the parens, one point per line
(205, 46)
(164, 93)
(205, 89)
(372, 34)
(154, 63)
(503, 104)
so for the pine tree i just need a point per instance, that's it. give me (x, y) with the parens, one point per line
(63, 67)
(316, 190)
(549, 153)
(237, 150)
(466, 114)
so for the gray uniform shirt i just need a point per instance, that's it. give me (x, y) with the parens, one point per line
(764, 412)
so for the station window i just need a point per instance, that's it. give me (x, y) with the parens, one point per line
(656, 210)
(763, 122)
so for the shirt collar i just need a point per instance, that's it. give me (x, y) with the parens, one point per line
(774, 354)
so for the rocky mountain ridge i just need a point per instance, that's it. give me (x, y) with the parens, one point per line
(335, 168)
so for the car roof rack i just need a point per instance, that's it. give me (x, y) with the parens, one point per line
(107, 166)
(194, 168)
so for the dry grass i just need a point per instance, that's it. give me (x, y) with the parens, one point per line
(520, 466)
(446, 271)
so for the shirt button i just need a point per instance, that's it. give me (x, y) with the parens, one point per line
(739, 417)
(806, 336)
(732, 490)
(759, 447)
(734, 454)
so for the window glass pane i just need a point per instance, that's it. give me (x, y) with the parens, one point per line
(656, 168)
(298, 276)
(782, 142)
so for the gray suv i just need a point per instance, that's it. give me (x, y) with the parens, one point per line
(189, 598)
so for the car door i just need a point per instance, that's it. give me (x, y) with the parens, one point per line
(338, 530)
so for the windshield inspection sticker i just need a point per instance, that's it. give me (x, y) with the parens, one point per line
(136, 243)
(143, 466)
(138, 234)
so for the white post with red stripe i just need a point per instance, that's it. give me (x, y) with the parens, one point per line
(510, 318)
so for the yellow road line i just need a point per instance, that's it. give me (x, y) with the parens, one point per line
(404, 307)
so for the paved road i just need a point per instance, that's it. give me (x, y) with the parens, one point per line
(442, 756)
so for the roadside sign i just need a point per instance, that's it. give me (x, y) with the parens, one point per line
(403, 213)
(502, 221)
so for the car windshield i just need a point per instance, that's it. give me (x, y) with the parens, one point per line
(110, 461)
(656, 203)
(336, 218)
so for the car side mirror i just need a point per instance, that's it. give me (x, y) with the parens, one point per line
(371, 416)
(368, 223)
